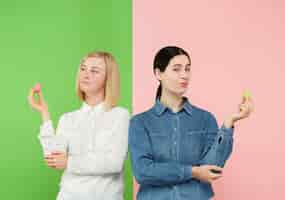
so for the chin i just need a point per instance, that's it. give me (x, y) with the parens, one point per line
(179, 93)
(84, 88)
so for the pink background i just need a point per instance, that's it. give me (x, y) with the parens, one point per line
(234, 45)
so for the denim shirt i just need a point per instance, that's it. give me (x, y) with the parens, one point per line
(164, 145)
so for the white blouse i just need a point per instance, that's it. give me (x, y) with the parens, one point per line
(96, 142)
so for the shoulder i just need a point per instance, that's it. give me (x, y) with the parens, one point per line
(203, 112)
(119, 111)
(143, 117)
(208, 117)
(204, 116)
(67, 116)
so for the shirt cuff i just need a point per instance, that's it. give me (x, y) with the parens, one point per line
(46, 128)
(46, 124)
(188, 172)
(227, 131)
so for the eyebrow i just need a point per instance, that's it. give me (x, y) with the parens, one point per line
(93, 67)
(180, 65)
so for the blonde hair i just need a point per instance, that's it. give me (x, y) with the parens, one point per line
(112, 85)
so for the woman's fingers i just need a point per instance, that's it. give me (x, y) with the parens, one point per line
(215, 167)
(31, 96)
(32, 91)
(244, 99)
(50, 162)
(216, 176)
(32, 101)
(53, 161)
(56, 160)
(34, 105)
(39, 104)
(246, 107)
(58, 153)
(59, 156)
(250, 105)
(243, 108)
(41, 98)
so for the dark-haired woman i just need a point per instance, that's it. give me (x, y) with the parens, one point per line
(177, 149)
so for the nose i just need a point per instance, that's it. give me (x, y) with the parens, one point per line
(85, 75)
(184, 74)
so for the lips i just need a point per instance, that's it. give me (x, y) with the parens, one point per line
(184, 84)
(84, 82)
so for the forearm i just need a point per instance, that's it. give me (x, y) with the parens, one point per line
(229, 122)
(221, 149)
(47, 136)
(45, 116)
(160, 174)
(149, 172)
(50, 141)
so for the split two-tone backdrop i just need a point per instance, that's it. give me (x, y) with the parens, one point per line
(234, 45)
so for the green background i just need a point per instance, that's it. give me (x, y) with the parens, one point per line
(43, 41)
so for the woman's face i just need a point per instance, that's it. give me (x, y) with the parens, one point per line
(92, 75)
(176, 77)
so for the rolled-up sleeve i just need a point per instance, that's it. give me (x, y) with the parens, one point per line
(219, 143)
(51, 139)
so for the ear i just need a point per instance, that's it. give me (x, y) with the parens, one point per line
(157, 74)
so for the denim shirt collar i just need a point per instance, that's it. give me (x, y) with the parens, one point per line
(159, 108)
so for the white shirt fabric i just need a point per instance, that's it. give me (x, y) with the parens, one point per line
(96, 142)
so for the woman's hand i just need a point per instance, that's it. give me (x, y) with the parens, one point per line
(39, 105)
(56, 160)
(204, 173)
(244, 111)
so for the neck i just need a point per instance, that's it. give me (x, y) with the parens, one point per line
(172, 101)
(94, 99)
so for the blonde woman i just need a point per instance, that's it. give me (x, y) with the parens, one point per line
(89, 144)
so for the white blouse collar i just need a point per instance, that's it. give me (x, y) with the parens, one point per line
(92, 109)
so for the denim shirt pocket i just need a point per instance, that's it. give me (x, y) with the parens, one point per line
(193, 144)
(161, 145)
